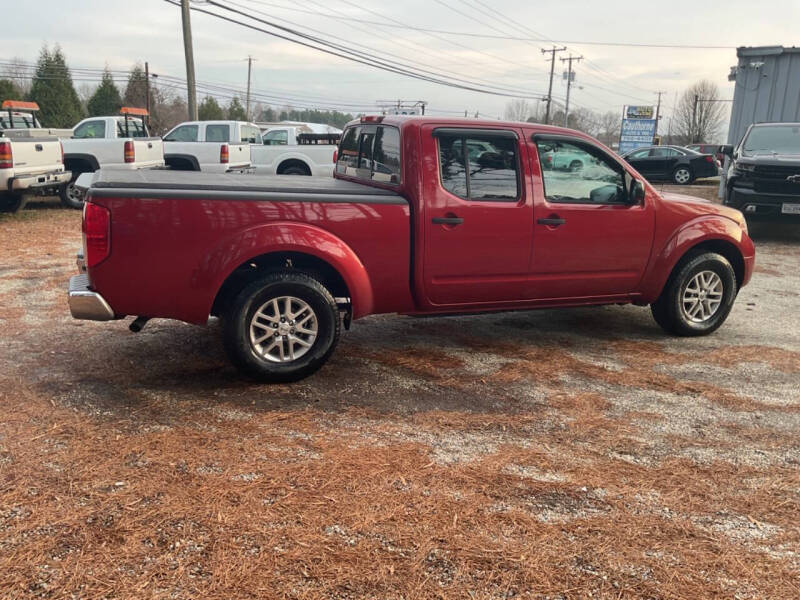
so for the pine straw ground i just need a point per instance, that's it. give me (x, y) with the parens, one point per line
(561, 454)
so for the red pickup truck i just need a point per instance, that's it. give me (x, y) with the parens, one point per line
(422, 216)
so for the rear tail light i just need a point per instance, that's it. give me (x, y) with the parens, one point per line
(130, 152)
(335, 156)
(6, 157)
(96, 233)
(224, 154)
(709, 158)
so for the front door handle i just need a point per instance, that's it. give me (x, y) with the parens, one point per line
(447, 220)
(552, 221)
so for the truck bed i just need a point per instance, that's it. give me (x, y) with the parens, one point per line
(172, 184)
(176, 236)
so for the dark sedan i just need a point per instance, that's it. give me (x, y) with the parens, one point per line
(672, 163)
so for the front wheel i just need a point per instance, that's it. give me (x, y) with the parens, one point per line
(682, 176)
(71, 196)
(282, 327)
(699, 297)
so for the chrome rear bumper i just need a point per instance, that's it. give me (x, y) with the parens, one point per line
(52, 179)
(86, 304)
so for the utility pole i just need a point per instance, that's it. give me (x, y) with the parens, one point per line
(147, 87)
(550, 88)
(249, 70)
(694, 119)
(570, 74)
(658, 109)
(187, 49)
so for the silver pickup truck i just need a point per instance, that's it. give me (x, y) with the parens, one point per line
(31, 159)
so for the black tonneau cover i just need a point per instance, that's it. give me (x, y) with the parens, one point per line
(146, 183)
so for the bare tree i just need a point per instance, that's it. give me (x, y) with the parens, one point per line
(20, 72)
(699, 114)
(518, 109)
(609, 127)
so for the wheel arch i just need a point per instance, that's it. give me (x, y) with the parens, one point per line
(178, 161)
(288, 246)
(80, 163)
(710, 235)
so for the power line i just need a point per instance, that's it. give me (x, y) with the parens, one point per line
(345, 53)
(501, 37)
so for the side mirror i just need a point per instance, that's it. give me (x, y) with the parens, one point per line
(636, 194)
(727, 150)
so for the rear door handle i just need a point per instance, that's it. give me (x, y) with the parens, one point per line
(447, 220)
(555, 222)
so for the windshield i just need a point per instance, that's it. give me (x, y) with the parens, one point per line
(774, 139)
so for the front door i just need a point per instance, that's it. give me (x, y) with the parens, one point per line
(477, 218)
(642, 161)
(588, 240)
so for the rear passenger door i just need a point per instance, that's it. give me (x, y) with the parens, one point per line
(477, 217)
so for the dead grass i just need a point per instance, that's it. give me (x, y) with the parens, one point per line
(141, 468)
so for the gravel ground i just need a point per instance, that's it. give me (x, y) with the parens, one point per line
(553, 454)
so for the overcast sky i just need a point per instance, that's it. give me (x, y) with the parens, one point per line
(94, 33)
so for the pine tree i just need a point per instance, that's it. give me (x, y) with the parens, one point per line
(210, 110)
(106, 100)
(9, 90)
(136, 90)
(53, 91)
(236, 111)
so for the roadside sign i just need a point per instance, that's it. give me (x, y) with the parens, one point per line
(638, 128)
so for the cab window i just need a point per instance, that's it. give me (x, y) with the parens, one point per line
(90, 129)
(184, 133)
(665, 152)
(218, 133)
(371, 153)
(640, 153)
(477, 167)
(276, 137)
(580, 174)
(250, 135)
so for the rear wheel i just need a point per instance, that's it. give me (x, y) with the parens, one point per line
(295, 171)
(575, 166)
(682, 175)
(70, 196)
(11, 203)
(699, 297)
(282, 327)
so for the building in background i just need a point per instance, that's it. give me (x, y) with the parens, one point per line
(767, 88)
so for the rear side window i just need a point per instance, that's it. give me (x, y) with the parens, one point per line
(90, 129)
(476, 167)
(276, 137)
(371, 153)
(386, 157)
(184, 133)
(218, 133)
(250, 135)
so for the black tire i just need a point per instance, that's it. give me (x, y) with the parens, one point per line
(670, 311)
(11, 203)
(295, 171)
(69, 196)
(575, 166)
(236, 326)
(678, 178)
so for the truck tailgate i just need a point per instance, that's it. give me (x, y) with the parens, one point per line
(35, 155)
(149, 152)
(239, 155)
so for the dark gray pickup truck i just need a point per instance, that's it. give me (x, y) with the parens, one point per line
(764, 174)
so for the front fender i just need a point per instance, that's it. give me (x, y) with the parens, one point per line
(696, 231)
(248, 244)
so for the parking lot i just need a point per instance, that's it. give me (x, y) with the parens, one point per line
(554, 454)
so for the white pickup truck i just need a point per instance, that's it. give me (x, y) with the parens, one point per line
(295, 149)
(121, 142)
(211, 146)
(31, 162)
